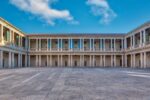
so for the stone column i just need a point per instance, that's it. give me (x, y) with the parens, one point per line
(101, 60)
(145, 60)
(93, 60)
(2, 38)
(47, 60)
(13, 62)
(111, 44)
(90, 61)
(114, 44)
(125, 43)
(20, 40)
(57, 44)
(93, 44)
(104, 60)
(115, 61)
(69, 44)
(1, 59)
(134, 60)
(141, 59)
(47, 44)
(80, 44)
(61, 59)
(131, 60)
(90, 44)
(122, 47)
(133, 41)
(19, 60)
(9, 62)
(111, 60)
(83, 45)
(58, 60)
(80, 60)
(36, 61)
(50, 44)
(39, 44)
(100, 44)
(61, 44)
(26, 60)
(104, 45)
(141, 38)
(123, 61)
(51, 61)
(29, 65)
(144, 37)
(39, 60)
(36, 44)
(12, 41)
(29, 44)
(83, 61)
(71, 60)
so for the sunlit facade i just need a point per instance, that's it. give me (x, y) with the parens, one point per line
(18, 49)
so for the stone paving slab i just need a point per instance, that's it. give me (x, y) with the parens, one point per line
(75, 84)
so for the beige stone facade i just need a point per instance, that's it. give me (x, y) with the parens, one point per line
(74, 50)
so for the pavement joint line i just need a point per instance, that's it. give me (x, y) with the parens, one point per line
(5, 78)
(139, 75)
(27, 80)
(4, 73)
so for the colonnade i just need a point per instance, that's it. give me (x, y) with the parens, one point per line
(76, 60)
(10, 59)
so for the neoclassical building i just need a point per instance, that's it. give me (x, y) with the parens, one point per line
(18, 49)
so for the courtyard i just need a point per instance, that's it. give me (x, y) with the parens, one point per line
(75, 84)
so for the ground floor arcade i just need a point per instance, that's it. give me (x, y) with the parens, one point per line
(9, 59)
(76, 60)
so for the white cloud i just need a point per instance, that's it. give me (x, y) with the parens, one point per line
(102, 8)
(43, 9)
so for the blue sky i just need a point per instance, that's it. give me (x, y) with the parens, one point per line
(75, 16)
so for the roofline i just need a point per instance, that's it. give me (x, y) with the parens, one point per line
(76, 34)
(139, 27)
(5, 21)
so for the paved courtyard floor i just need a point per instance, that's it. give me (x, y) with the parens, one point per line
(74, 84)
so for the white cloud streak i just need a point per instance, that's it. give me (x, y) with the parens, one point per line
(101, 8)
(43, 9)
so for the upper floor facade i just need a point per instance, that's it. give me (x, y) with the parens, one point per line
(12, 37)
